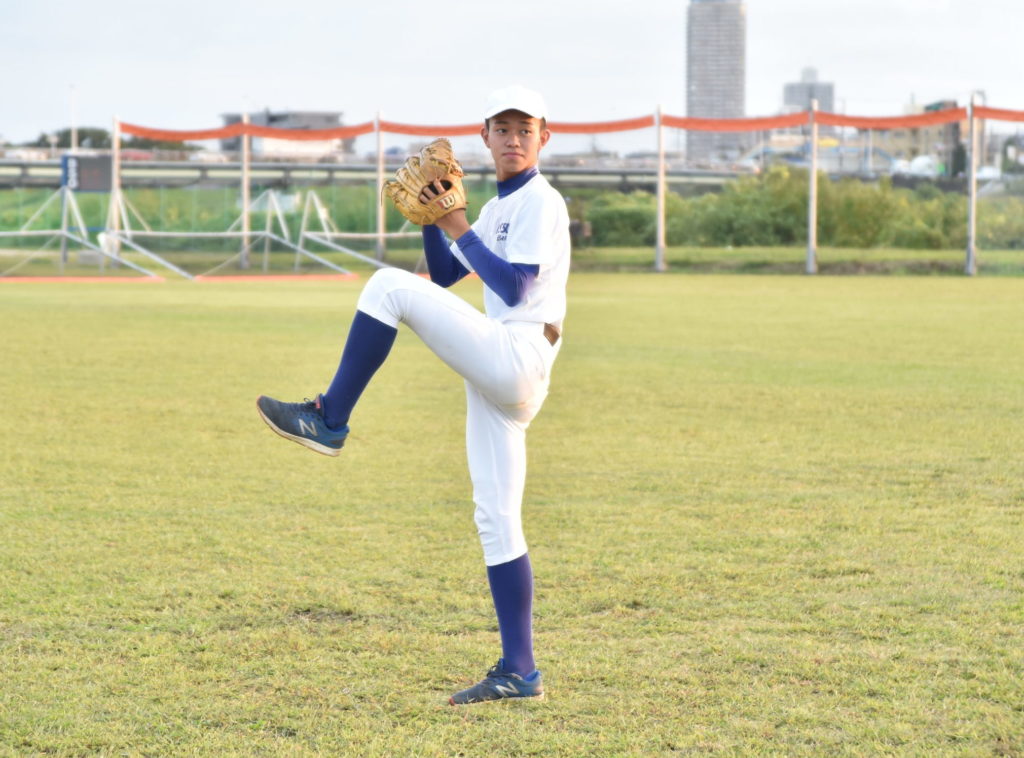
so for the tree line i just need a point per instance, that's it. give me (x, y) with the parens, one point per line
(770, 209)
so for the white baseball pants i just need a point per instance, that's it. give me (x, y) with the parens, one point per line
(507, 368)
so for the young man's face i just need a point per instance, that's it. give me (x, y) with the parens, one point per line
(514, 140)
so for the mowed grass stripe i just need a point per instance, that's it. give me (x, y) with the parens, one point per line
(768, 515)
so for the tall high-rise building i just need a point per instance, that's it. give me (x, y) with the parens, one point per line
(716, 70)
(797, 96)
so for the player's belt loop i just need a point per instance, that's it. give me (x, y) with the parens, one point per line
(551, 333)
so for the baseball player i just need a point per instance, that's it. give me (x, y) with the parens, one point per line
(519, 247)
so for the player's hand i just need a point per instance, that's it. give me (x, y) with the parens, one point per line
(455, 223)
(431, 191)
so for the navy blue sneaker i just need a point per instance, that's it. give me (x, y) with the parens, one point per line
(500, 684)
(303, 423)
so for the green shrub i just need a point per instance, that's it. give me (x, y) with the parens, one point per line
(927, 219)
(784, 193)
(860, 213)
(770, 209)
(620, 219)
(1001, 223)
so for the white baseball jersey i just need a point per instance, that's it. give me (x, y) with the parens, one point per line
(503, 356)
(530, 225)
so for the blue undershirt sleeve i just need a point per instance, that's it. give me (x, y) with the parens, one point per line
(509, 281)
(445, 269)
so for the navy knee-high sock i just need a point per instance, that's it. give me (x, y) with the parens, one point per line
(512, 590)
(369, 342)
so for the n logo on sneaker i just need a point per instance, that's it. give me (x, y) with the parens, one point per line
(306, 427)
(505, 690)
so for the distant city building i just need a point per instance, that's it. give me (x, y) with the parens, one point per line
(716, 69)
(797, 96)
(268, 147)
(944, 142)
(935, 151)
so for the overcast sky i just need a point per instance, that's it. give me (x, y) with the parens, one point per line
(180, 65)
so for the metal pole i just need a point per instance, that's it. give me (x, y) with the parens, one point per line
(812, 196)
(380, 188)
(971, 264)
(74, 123)
(269, 194)
(82, 238)
(114, 213)
(659, 245)
(243, 261)
(63, 227)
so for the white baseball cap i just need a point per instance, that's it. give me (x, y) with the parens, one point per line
(516, 98)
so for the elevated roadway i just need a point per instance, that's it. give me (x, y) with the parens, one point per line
(46, 175)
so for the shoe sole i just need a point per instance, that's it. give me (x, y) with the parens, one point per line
(451, 701)
(316, 447)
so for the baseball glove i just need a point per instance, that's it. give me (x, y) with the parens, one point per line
(436, 162)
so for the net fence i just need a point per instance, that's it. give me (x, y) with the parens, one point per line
(802, 192)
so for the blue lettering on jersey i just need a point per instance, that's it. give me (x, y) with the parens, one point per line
(502, 232)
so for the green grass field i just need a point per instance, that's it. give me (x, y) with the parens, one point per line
(405, 253)
(768, 516)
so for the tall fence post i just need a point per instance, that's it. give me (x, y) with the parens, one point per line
(243, 261)
(74, 121)
(812, 195)
(381, 226)
(971, 264)
(114, 211)
(659, 245)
